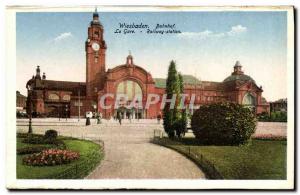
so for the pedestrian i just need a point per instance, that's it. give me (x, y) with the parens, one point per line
(158, 118)
(119, 118)
(87, 122)
(129, 117)
(100, 118)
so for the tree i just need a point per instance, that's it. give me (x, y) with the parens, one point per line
(171, 86)
(174, 119)
(182, 120)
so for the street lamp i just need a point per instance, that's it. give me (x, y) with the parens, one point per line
(66, 109)
(79, 103)
(95, 114)
(94, 106)
(30, 88)
(59, 112)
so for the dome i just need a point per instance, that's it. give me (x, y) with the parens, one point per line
(241, 77)
(238, 74)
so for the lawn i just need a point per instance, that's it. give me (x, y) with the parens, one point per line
(90, 156)
(260, 159)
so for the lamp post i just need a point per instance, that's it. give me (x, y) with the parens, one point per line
(29, 88)
(95, 114)
(79, 104)
(66, 111)
(59, 112)
(94, 106)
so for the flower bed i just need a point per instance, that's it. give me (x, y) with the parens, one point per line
(269, 137)
(51, 157)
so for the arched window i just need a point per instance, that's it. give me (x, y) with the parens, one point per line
(133, 91)
(249, 100)
(130, 89)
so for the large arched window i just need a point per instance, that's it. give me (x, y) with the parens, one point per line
(249, 100)
(132, 108)
(130, 89)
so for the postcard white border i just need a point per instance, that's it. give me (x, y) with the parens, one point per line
(13, 183)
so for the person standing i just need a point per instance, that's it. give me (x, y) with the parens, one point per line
(100, 117)
(129, 117)
(119, 118)
(158, 118)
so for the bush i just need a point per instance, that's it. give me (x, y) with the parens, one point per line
(41, 140)
(223, 124)
(33, 139)
(30, 150)
(26, 135)
(50, 134)
(51, 157)
(277, 116)
(264, 116)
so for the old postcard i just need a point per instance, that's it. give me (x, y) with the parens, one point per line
(112, 97)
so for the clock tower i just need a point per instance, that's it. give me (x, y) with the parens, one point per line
(95, 48)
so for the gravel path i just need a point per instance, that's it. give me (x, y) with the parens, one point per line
(129, 155)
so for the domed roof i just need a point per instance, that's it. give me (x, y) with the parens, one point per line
(238, 74)
(241, 77)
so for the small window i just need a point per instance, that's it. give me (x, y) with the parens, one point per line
(96, 59)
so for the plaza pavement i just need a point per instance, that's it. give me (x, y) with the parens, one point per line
(128, 151)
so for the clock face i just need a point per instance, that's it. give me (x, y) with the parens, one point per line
(95, 46)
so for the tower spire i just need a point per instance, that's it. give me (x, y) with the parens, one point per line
(129, 60)
(96, 18)
(38, 73)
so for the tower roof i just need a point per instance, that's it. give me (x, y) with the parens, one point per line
(95, 14)
(237, 63)
(95, 20)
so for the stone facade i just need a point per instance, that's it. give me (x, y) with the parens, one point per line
(73, 99)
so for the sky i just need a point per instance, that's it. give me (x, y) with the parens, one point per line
(208, 46)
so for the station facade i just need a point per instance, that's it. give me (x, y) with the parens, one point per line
(53, 98)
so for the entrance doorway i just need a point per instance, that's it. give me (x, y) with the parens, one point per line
(127, 113)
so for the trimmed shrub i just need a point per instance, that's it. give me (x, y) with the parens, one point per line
(41, 140)
(26, 135)
(33, 140)
(223, 124)
(50, 134)
(30, 150)
(51, 157)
